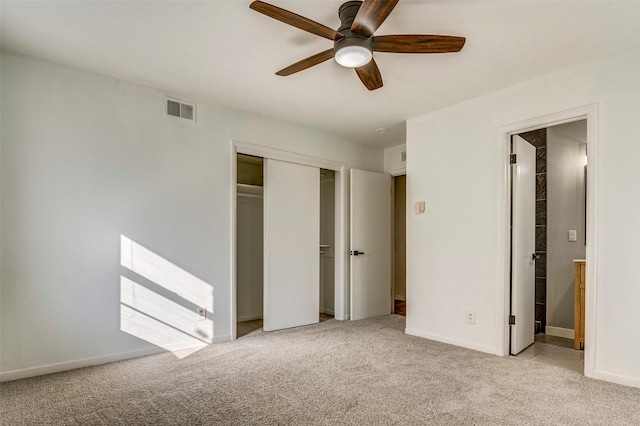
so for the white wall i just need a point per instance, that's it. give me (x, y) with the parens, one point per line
(393, 163)
(457, 164)
(566, 157)
(87, 158)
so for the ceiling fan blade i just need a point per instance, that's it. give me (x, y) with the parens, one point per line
(371, 15)
(370, 75)
(413, 43)
(295, 20)
(306, 63)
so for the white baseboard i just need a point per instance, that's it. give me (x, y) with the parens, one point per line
(452, 341)
(327, 311)
(41, 370)
(249, 318)
(567, 333)
(616, 378)
(399, 297)
(72, 365)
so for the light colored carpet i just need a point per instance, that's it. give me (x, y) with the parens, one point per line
(363, 372)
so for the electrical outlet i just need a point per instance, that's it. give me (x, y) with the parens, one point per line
(202, 313)
(470, 316)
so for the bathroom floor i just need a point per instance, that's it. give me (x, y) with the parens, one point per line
(556, 351)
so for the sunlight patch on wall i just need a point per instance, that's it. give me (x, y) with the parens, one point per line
(155, 268)
(158, 333)
(169, 312)
(173, 325)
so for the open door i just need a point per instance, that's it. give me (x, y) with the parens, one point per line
(370, 244)
(523, 234)
(291, 245)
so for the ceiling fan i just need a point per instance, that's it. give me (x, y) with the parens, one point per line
(354, 42)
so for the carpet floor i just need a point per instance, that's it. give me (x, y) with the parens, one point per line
(333, 373)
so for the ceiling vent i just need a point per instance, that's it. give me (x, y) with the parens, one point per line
(180, 109)
(403, 156)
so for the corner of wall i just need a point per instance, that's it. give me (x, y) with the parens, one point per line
(395, 160)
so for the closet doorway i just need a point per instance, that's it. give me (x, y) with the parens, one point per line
(249, 245)
(294, 284)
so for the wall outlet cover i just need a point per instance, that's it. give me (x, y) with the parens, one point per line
(470, 317)
(202, 314)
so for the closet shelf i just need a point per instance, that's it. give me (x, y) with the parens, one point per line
(244, 189)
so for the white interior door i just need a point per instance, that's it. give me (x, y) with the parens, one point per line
(523, 245)
(291, 245)
(370, 244)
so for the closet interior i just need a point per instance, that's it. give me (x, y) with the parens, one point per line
(250, 244)
(327, 236)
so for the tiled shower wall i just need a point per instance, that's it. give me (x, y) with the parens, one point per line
(538, 138)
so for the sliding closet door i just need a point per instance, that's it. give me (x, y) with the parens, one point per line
(291, 245)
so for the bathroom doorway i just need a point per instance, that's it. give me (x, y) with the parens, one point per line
(560, 241)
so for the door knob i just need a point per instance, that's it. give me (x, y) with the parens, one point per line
(534, 256)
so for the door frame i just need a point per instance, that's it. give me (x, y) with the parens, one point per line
(590, 113)
(340, 238)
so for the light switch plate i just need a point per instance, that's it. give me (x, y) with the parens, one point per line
(419, 207)
(573, 236)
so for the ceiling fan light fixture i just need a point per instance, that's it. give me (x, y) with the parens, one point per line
(353, 52)
(353, 56)
(353, 41)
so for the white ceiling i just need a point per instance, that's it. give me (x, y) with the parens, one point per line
(223, 53)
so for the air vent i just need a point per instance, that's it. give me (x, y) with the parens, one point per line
(180, 109)
(403, 156)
